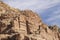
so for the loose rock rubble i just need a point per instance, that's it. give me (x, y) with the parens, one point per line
(18, 24)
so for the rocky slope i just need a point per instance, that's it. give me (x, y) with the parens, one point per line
(24, 25)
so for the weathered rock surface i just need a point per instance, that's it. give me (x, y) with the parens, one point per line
(24, 25)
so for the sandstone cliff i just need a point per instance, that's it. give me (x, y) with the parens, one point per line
(18, 24)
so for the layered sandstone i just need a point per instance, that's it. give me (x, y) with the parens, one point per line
(24, 25)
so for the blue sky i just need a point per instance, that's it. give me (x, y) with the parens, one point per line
(48, 10)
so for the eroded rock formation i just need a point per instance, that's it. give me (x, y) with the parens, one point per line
(24, 25)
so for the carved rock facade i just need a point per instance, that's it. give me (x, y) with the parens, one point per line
(24, 25)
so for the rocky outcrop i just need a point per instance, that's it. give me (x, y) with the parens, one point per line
(24, 25)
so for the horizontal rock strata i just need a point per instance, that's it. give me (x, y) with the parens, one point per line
(18, 24)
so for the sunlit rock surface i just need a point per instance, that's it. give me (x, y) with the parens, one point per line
(18, 24)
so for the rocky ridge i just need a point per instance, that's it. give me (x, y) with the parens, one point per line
(18, 24)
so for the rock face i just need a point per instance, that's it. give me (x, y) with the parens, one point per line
(24, 25)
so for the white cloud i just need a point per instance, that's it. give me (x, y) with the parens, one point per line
(57, 12)
(55, 15)
(32, 4)
(52, 18)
